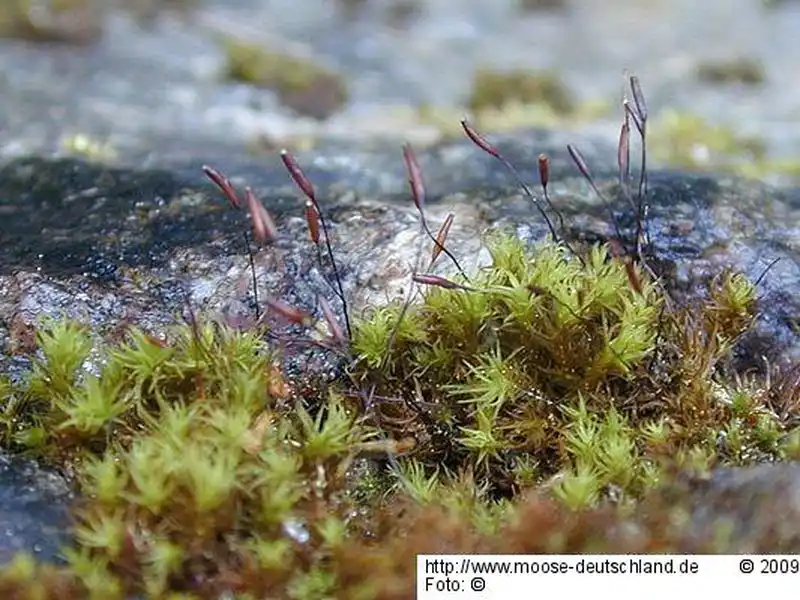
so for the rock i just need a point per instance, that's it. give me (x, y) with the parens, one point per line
(34, 509)
(109, 244)
(749, 510)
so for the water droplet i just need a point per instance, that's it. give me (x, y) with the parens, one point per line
(297, 531)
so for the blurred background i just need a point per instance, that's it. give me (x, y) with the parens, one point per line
(98, 76)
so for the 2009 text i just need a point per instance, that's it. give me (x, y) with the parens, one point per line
(782, 566)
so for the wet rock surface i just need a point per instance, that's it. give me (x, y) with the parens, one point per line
(135, 234)
(34, 516)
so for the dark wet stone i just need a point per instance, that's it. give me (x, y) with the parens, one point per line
(34, 505)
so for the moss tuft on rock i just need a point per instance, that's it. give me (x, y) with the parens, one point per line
(558, 399)
(532, 6)
(745, 71)
(688, 141)
(495, 90)
(300, 84)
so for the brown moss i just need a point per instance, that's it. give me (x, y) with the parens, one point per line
(382, 566)
(397, 13)
(147, 11)
(400, 13)
(494, 90)
(24, 578)
(664, 523)
(300, 84)
(746, 71)
(542, 5)
(69, 21)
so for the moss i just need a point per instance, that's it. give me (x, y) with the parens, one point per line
(494, 90)
(24, 578)
(186, 451)
(300, 84)
(688, 141)
(396, 13)
(147, 11)
(400, 13)
(789, 167)
(87, 147)
(528, 6)
(71, 21)
(504, 101)
(512, 117)
(200, 470)
(744, 70)
(553, 401)
(532, 375)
